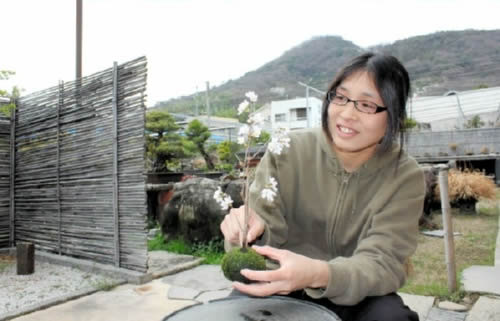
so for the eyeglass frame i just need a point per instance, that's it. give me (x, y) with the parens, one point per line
(355, 102)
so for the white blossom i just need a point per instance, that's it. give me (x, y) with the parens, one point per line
(255, 131)
(243, 106)
(274, 184)
(252, 96)
(268, 194)
(279, 141)
(256, 119)
(223, 199)
(243, 134)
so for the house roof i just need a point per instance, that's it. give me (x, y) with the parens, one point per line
(472, 102)
(297, 102)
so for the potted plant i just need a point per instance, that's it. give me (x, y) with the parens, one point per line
(243, 257)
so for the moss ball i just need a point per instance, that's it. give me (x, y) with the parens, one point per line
(241, 258)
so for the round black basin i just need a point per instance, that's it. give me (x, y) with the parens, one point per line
(243, 308)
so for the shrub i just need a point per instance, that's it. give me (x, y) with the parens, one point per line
(485, 150)
(466, 186)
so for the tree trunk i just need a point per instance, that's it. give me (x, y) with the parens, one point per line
(207, 158)
(25, 258)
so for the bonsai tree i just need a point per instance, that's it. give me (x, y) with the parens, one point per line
(198, 133)
(243, 257)
(164, 144)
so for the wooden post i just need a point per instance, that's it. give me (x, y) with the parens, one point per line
(25, 258)
(449, 244)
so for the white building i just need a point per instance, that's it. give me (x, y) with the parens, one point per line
(292, 113)
(452, 110)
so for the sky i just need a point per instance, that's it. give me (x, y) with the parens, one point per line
(190, 42)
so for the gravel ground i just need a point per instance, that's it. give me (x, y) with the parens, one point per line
(49, 282)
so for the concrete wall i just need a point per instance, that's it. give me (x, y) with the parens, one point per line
(453, 144)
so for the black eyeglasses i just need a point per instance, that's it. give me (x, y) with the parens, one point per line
(363, 106)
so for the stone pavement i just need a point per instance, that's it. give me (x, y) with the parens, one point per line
(161, 297)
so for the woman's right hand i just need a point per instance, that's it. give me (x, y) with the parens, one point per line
(233, 223)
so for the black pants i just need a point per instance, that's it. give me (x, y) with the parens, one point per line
(376, 308)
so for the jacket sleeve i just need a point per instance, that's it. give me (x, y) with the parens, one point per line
(377, 264)
(273, 213)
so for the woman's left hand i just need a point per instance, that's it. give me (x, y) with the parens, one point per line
(295, 272)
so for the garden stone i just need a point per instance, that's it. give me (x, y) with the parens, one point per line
(451, 306)
(192, 213)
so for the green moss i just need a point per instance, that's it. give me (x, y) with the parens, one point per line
(241, 258)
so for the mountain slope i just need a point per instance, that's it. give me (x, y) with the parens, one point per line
(437, 63)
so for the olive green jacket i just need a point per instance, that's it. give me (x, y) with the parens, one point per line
(365, 223)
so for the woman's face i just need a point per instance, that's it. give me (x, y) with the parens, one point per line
(351, 130)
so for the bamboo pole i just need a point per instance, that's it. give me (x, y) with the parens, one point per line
(12, 208)
(58, 165)
(449, 245)
(116, 216)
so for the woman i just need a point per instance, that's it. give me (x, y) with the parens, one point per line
(346, 216)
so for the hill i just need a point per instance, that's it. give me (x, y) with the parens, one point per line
(437, 63)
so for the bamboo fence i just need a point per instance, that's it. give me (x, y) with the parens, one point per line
(4, 181)
(79, 168)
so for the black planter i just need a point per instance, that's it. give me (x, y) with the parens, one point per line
(244, 308)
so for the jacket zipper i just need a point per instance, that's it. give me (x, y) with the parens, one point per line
(338, 206)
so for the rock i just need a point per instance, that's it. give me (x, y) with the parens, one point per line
(192, 213)
(430, 199)
(447, 305)
(152, 233)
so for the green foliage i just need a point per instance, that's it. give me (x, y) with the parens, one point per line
(212, 252)
(243, 117)
(14, 94)
(224, 167)
(241, 258)
(410, 123)
(164, 145)
(198, 133)
(264, 138)
(226, 151)
(5, 74)
(474, 122)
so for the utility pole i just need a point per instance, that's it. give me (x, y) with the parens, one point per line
(196, 103)
(207, 98)
(461, 118)
(307, 100)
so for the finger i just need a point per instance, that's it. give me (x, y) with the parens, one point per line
(270, 252)
(230, 233)
(259, 289)
(263, 276)
(256, 228)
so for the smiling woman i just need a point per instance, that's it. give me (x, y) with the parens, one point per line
(345, 215)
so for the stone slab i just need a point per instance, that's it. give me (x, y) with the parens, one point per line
(485, 309)
(438, 233)
(181, 293)
(162, 263)
(126, 302)
(418, 303)
(213, 295)
(436, 314)
(482, 279)
(203, 278)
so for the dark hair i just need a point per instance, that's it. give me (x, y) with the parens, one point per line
(393, 84)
